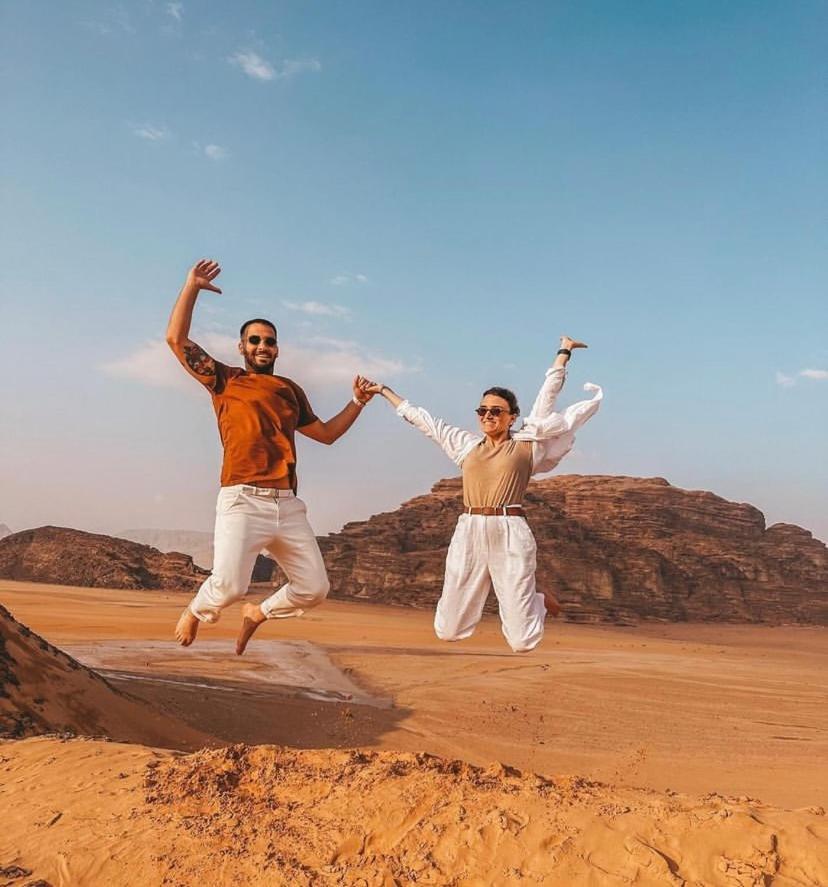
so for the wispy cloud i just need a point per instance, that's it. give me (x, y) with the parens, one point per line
(327, 364)
(152, 363)
(149, 132)
(346, 279)
(323, 309)
(176, 10)
(259, 68)
(320, 362)
(253, 65)
(787, 381)
(215, 152)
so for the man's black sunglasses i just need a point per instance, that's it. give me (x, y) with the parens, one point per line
(268, 340)
(495, 411)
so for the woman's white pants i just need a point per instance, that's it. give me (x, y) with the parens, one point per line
(488, 551)
(249, 520)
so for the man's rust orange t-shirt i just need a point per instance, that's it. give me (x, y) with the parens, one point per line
(257, 416)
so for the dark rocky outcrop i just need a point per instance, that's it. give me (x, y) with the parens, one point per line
(71, 557)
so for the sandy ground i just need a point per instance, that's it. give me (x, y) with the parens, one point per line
(694, 708)
(713, 741)
(89, 813)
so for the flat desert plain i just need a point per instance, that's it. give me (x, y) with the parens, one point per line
(375, 754)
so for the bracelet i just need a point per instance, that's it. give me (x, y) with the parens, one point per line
(565, 351)
(357, 401)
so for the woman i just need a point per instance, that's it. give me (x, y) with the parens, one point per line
(492, 544)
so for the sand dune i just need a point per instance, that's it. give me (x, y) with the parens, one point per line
(351, 748)
(44, 690)
(90, 813)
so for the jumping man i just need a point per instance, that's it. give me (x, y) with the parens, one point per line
(258, 413)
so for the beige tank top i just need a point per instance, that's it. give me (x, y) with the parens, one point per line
(497, 475)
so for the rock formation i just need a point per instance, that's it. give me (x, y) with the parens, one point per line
(613, 549)
(71, 557)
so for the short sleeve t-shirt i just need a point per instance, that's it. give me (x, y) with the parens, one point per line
(257, 415)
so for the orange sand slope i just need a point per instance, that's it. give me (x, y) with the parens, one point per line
(85, 812)
(710, 711)
(44, 689)
(741, 710)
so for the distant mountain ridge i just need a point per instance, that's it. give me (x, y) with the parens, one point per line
(4, 531)
(199, 545)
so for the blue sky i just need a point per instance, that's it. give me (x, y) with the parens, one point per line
(428, 192)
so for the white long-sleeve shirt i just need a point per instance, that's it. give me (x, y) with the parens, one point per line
(552, 433)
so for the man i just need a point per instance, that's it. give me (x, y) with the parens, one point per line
(258, 413)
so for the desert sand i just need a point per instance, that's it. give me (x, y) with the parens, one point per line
(351, 747)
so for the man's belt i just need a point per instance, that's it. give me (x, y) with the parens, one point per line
(271, 492)
(503, 511)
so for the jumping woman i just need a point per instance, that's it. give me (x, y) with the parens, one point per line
(492, 543)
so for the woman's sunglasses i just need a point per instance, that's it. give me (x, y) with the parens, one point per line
(495, 411)
(268, 340)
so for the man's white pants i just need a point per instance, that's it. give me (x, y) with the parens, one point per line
(249, 519)
(488, 551)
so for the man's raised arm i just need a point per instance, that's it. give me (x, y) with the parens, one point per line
(191, 356)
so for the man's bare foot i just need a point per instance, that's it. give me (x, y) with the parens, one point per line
(252, 618)
(187, 628)
(553, 608)
(570, 343)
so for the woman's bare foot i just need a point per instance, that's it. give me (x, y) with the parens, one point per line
(570, 343)
(553, 608)
(252, 618)
(187, 628)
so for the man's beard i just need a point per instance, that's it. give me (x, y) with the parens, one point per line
(260, 368)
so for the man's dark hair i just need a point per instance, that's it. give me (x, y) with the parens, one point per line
(508, 396)
(247, 323)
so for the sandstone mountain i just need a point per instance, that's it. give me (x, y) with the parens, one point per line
(44, 690)
(71, 557)
(197, 544)
(613, 549)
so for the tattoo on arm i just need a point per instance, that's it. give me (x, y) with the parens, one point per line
(199, 361)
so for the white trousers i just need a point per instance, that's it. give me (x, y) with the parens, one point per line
(249, 519)
(488, 551)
